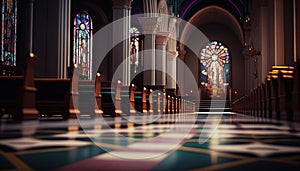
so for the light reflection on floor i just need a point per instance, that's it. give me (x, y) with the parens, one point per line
(148, 142)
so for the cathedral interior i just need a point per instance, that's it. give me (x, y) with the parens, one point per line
(150, 85)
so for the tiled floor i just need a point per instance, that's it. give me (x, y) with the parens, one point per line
(168, 142)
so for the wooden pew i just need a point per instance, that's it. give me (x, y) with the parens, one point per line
(268, 97)
(164, 103)
(174, 104)
(281, 78)
(98, 95)
(140, 100)
(274, 96)
(111, 98)
(131, 98)
(285, 88)
(17, 95)
(127, 99)
(295, 116)
(58, 97)
(168, 106)
(255, 101)
(156, 102)
(90, 97)
(150, 101)
(263, 101)
(251, 102)
(259, 101)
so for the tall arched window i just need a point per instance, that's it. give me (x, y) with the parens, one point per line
(82, 52)
(215, 68)
(134, 51)
(9, 32)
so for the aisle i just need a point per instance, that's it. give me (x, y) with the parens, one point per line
(173, 142)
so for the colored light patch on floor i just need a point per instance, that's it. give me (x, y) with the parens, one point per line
(56, 159)
(184, 160)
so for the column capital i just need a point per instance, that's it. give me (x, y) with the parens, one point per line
(172, 55)
(162, 38)
(122, 3)
(149, 24)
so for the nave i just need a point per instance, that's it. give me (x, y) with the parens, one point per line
(192, 141)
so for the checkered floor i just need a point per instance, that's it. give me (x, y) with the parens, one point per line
(226, 141)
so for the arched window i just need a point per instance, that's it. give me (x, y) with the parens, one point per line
(82, 52)
(215, 68)
(9, 32)
(134, 51)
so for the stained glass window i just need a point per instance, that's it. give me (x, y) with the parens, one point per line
(9, 32)
(134, 45)
(215, 68)
(82, 53)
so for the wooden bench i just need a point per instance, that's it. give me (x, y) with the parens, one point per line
(127, 99)
(58, 97)
(285, 88)
(157, 102)
(111, 98)
(90, 97)
(296, 94)
(140, 100)
(98, 95)
(17, 95)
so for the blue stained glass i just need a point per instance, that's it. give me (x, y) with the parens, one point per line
(9, 32)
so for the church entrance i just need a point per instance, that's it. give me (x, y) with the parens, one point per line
(215, 69)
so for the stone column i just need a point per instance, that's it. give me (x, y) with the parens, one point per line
(26, 25)
(279, 32)
(171, 69)
(288, 32)
(25, 21)
(297, 29)
(180, 71)
(64, 46)
(264, 39)
(172, 54)
(149, 25)
(122, 9)
(160, 60)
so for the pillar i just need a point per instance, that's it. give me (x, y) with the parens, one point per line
(264, 39)
(25, 26)
(122, 9)
(64, 47)
(171, 69)
(279, 32)
(160, 60)
(172, 54)
(30, 24)
(297, 29)
(180, 72)
(149, 25)
(288, 33)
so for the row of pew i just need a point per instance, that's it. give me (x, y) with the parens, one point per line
(278, 97)
(26, 97)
